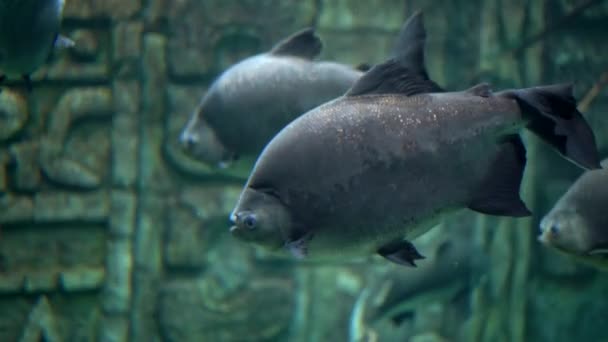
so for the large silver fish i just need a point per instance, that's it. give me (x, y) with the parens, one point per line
(252, 100)
(29, 32)
(578, 223)
(375, 168)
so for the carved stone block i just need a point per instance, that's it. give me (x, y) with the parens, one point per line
(117, 290)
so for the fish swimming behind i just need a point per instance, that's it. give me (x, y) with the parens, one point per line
(29, 33)
(447, 272)
(578, 223)
(377, 167)
(252, 100)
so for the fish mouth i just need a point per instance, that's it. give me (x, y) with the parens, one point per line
(546, 233)
(238, 233)
(544, 238)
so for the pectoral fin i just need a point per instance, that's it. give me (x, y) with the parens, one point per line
(63, 42)
(298, 247)
(401, 252)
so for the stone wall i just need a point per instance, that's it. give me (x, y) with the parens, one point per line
(110, 233)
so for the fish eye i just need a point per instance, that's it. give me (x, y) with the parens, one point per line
(250, 221)
(554, 229)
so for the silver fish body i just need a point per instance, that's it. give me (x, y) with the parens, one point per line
(370, 171)
(381, 167)
(578, 222)
(252, 100)
(28, 32)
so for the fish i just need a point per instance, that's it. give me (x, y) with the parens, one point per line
(366, 173)
(446, 273)
(29, 34)
(577, 225)
(454, 264)
(252, 100)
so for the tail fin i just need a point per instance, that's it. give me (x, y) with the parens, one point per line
(553, 116)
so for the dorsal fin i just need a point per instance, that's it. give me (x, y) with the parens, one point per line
(481, 89)
(409, 46)
(304, 44)
(404, 73)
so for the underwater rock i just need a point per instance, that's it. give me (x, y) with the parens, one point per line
(196, 50)
(13, 114)
(154, 62)
(66, 206)
(122, 213)
(127, 97)
(4, 161)
(114, 328)
(123, 133)
(41, 324)
(91, 9)
(559, 264)
(86, 45)
(223, 304)
(187, 240)
(16, 208)
(210, 202)
(428, 337)
(117, 289)
(69, 172)
(82, 279)
(77, 104)
(346, 15)
(25, 156)
(126, 48)
(124, 149)
(198, 217)
(71, 161)
(126, 36)
(43, 281)
(10, 283)
(201, 310)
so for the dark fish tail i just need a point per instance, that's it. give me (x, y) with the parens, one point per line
(552, 114)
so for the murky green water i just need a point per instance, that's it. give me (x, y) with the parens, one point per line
(114, 223)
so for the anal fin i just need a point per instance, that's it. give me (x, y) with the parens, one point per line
(498, 193)
(401, 252)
